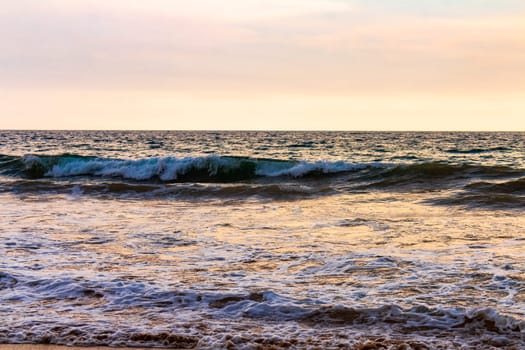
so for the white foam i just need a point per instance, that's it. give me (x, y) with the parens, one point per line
(304, 168)
(170, 168)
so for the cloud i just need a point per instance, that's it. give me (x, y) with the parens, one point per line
(110, 48)
(243, 10)
(399, 52)
(321, 47)
(442, 8)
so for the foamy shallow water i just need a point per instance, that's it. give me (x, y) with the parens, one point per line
(332, 255)
(342, 269)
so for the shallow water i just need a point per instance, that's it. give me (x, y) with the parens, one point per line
(328, 240)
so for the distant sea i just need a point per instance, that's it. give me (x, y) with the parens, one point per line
(263, 240)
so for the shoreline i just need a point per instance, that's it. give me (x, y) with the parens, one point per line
(65, 347)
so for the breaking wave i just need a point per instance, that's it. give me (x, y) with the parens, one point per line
(115, 297)
(168, 169)
(437, 174)
(228, 177)
(224, 169)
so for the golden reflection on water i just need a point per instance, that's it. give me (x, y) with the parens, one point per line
(366, 248)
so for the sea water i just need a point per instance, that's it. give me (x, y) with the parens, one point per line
(263, 240)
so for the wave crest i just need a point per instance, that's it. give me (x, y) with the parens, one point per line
(169, 169)
(116, 296)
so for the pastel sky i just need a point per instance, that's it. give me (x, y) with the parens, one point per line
(263, 64)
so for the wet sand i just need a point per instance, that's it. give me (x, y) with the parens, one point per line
(365, 345)
(62, 347)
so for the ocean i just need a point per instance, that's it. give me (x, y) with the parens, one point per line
(263, 239)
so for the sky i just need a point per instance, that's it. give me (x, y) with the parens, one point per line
(263, 64)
